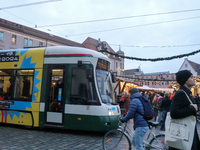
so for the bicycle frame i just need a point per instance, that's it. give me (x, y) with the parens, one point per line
(150, 134)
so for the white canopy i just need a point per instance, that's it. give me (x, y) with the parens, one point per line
(144, 87)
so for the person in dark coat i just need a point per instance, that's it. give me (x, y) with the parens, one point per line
(166, 105)
(126, 102)
(181, 107)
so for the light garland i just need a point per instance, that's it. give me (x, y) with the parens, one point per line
(139, 79)
(152, 59)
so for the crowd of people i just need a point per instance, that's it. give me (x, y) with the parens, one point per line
(161, 102)
(176, 103)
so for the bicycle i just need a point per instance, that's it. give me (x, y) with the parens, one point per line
(120, 139)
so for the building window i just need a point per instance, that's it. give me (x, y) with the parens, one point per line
(185, 65)
(40, 44)
(116, 65)
(25, 42)
(14, 39)
(172, 76)
(1, 36)
(30, 44)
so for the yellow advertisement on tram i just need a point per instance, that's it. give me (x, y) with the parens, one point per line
(20, 85)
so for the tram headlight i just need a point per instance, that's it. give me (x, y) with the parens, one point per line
(111, 113)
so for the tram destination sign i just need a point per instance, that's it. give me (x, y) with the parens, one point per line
(8, 57)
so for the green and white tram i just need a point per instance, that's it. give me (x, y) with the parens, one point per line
(65, 87)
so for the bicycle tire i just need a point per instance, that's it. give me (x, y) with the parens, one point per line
(157, 143)
(116, 140)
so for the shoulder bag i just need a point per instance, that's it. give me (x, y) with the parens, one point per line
(179, 133)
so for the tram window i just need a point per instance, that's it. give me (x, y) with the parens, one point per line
(5, 83)
(57, 85)
(22, 85)
(16, 84)
(82, 91)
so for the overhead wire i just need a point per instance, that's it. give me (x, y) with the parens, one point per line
(19, 17)
(133, 26)
(118, 18)
(154, 46)
(28, 4)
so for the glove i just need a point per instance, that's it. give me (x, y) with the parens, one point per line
(122, 120)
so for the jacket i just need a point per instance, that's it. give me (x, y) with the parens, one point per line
(166, 103)
(126, 102)
(135, 107)
(181, 108)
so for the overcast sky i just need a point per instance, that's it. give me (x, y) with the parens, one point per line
(162, 30)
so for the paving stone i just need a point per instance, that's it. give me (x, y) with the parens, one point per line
(19, 138)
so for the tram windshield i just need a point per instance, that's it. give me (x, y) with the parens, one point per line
(104, 82)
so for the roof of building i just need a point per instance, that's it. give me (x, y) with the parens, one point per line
(130, 71)
(93, 43)
(195, 66)
(30, 31)
(156, 73)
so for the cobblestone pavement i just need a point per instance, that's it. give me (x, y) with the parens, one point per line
(20, 138)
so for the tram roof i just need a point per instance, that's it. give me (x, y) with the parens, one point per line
(74, 50)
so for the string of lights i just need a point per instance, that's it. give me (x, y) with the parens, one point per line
(154, 46)
(140, 79)
(152, 59)
(118, 18)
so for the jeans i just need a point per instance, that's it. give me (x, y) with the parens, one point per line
(159, 117)
(138, 136)
(164, 118)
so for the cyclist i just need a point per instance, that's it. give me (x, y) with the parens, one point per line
(140, 125)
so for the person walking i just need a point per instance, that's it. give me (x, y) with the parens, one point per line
(154, 103)
(140, 124)
(181, 107)
(126, 102)
(159, 108)
(166, 104)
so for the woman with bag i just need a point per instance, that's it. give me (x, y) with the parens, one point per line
(181, 106)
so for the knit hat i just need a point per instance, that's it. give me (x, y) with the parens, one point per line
(166, 94)
(133, 90)
(182, 76)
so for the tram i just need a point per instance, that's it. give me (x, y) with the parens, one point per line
(59, 87)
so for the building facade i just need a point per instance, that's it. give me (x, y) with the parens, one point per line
(193, 67)
(117, 63)
(156, 80)
(16, 36)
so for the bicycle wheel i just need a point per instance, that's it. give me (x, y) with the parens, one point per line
(116, 140)
(157, 143)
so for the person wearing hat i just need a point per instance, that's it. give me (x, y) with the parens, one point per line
(181, 107)
(140, 125)
(166, 104)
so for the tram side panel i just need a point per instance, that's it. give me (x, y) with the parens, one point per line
(21, 108)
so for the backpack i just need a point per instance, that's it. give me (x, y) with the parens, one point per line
(159, 104)
(148, 109)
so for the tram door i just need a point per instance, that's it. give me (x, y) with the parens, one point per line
(55, 103)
